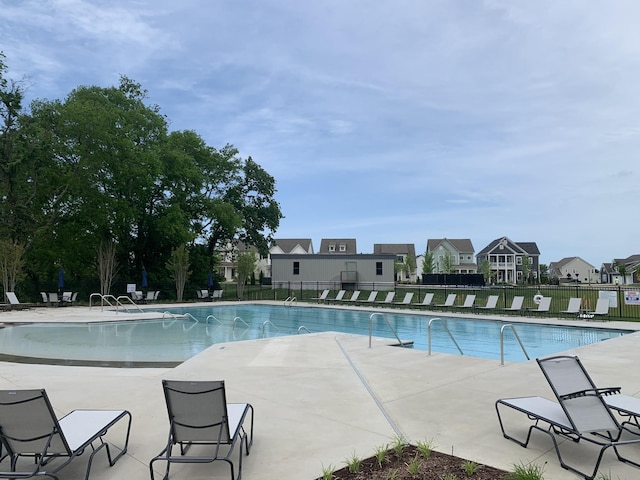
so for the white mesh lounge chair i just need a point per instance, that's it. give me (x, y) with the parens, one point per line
(354, 296)
(426, 301)
(339, 296)
(388, 299)
(574, 306)
(323, 296)
(602, 308)
(15, 303)
(69, 298)
(492, 302)
(468, 301)
(580, 413)
(200, 415)
(406, 300)
(372, 297)
(29, 428)
(543, 306)
(516, 304)
(451, 298)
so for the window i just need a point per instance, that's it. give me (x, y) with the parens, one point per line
(399, 259)
(296, 268)
(343, 247)
(332, 248)
(378, 268)
(518, 260)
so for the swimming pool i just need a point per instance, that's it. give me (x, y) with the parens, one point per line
(172, 340)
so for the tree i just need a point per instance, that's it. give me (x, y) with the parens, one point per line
(410, 263)
(544, 273)
(107, 266)
(246, 262)
(11, 264)
(485, 269)
(427, 264)
(622, 270)
(178, 266)
(447, 263)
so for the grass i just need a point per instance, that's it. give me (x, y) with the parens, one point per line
(529, 471)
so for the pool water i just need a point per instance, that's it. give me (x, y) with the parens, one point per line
(172, 340)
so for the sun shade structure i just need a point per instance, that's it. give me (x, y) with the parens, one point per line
(29, 428)
(200, 415)
(580, 413)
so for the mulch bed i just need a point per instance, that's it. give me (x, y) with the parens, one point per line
(438, 466)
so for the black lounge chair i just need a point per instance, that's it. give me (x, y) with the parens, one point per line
(200, 415)
(580, 414)
(29, 428)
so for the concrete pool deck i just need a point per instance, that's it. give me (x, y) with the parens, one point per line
(321, 398)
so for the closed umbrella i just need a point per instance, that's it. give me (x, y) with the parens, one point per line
(60, 279)
(145, 283)
(210, 279)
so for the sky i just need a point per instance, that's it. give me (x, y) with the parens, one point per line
(387, 122)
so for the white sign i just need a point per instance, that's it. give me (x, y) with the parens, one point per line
(612, 295)
(632, 297)
(131, 287)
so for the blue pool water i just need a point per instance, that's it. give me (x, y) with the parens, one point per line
(174, 340)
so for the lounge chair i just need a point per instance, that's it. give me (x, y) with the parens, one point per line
(406, 300)
(69, 298)
(137, 296)
(602, 308)
(15, 303)
(426, 301)
(574, 306)
(543, 306)
(580, 413)
(200, 415)
(372, 297)
(203, 295)
(45, 298)
(492, 302)
(150, 296)
(354, 296)
(451, 298)
(468, 301)
(339, 296)
(323, 296)
(29, 428)
(516, 304)
(389, 298)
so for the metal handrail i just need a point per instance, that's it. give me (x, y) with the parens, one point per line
(400, 342)
(290, 301)
(302, 327)
(213, 317)
(130, 301)
(118, 303)
(269, 322)
(446, 329)
(233, 325)
(513, 329)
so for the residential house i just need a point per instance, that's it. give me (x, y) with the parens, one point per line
(405, 254)
(574, 269)
(460, 251)
(329, 270)
(302, 246)
(345, 246)
(229, 256)
(506, 259)
(622, 270)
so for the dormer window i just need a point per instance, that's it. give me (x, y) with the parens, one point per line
(343, 248)
(332, 248)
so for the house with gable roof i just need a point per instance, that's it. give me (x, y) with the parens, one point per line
(297, 246)
(505, 257)
(345, 246)
(460, 250)
(612, 272)
(574, 269)
(405, 254)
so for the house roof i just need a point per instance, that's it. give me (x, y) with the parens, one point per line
(565, 261)
(395, 248)
(349, 243)
(460, 244)
(529, 248)
(287, 245)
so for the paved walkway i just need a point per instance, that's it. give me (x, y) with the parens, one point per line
(320, 398)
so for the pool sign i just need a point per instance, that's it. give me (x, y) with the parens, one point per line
(632, 297)
(131, 287)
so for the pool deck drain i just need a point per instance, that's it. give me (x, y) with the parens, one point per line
(312, 408)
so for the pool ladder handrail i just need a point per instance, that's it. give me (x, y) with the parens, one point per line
(269, 322)
(371, 317)
(302, 327)
(118, 303)
(212, 317)
(446, 329)
(515, 333)
(290, 301)
(237, 319)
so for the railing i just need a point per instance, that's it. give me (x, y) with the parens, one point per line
(117, 303)
(446, 329)
(513, 329)
(290, 301)
(371, 317)
(302, 327)
(238, 319)
(212, 317)
(269, 322)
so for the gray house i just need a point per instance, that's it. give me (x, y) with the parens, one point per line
(329, 270)
(338, 245)
(505, 257)
(405, 254)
